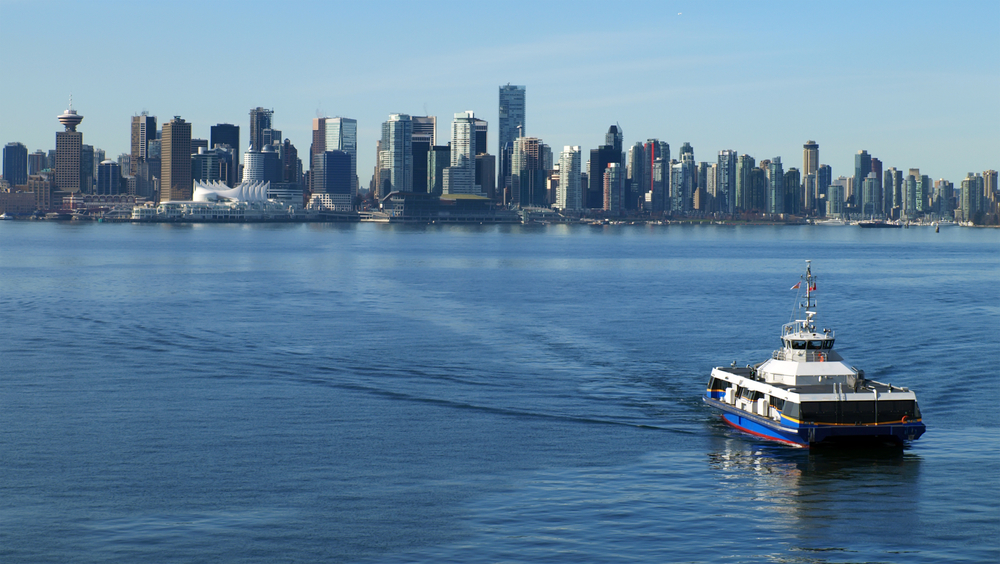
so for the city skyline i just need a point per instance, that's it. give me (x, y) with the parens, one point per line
(910, 102)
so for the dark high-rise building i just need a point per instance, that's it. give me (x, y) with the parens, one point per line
(109, 178)
(793, 187)
(198, 144)
(486, 174)
(337, 173)
(421, 146)
(143, 131)
(86, 169)
(175, 168)
(291, 165)
(260, 119)
(15, 164)
(481, 137)
(225, 134)
(657, 184)
(862, 166)
(775, 187)
(438, 159)
(744, 200)
(600, 158)
(635, 174)
(68, 146)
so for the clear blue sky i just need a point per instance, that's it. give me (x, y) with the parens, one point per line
(917, 84)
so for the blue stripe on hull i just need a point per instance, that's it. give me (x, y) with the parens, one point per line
(756, 429)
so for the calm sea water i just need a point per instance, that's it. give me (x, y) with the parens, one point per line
(374, 393)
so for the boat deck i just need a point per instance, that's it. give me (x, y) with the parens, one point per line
(867, 385)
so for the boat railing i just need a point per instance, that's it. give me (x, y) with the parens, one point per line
(806, 355)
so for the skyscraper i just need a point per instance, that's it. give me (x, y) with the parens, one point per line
(568, 194)
(726, 181)
(15, 164)
(143, 129)
(36, 162)
(528, 173)
(613, 185)
(810, 158)
(511, 126)
(225, 134)
(68, 146)
(744, 165)
(397, 153)
(175, 168)
(109, 178)
(260, 119)
(342, 135)
(459, 178)
(862, 166)
(775, 187)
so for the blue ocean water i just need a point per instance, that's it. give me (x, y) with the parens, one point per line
(388, 393)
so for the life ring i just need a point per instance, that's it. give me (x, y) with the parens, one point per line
(904, 419)
(821, 357)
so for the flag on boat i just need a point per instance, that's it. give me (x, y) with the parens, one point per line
(813, 287)
(796, 286)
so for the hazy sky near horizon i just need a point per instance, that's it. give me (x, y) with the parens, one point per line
(915, 83)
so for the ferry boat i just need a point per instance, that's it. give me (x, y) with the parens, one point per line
(806, 395)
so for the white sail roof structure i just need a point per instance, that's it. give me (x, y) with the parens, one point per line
(215, 191)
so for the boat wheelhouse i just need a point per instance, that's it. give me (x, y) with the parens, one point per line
(806, 395)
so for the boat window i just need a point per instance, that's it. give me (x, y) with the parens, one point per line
(798, 345)
(828, 344)
(778, 403)
(815, 345)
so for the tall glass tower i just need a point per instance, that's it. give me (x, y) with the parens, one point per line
(511, 127)
(397, 152)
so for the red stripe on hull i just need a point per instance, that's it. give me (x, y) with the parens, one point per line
(761, 435)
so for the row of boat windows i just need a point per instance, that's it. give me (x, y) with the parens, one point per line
(802, 344)
(745, 393)
(853, 412)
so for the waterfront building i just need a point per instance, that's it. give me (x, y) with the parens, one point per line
(335, 168)
(397, 153)
(271, 136)
(15, 164)
(68, 146)
(600, 158)
(568, 193)
(175, 179)
(910, 198)
(41, 186)
(260, 119)
(944, 199)
(198, 144)
(109, 178)
(459, 177)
